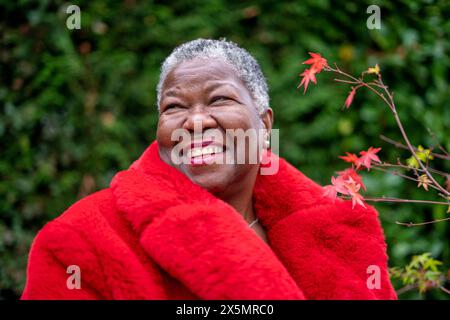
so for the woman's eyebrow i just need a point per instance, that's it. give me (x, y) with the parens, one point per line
(171, 93)
(207, 88)
(215, 85)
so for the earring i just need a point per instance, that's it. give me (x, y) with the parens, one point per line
(267, 141)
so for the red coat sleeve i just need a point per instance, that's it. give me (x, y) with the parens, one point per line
(49, 259)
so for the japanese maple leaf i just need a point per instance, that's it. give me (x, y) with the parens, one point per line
(330, 192)
(350, 173)
(352, 189)
(316, 61)
(368, 156)
(357, 199)
(350, 97)
(308, 75)
(352, 158)
(339, 184)
(347, 183)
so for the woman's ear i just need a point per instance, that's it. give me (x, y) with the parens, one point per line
(267, 119)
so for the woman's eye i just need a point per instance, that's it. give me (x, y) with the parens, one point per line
(220, 99)
(173, 106)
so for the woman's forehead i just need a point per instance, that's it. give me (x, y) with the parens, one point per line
(206, 86)
(206, 72)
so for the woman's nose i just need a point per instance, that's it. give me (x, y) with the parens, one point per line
(199, 119)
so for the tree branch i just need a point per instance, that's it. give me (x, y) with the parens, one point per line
(411, 224)
(402, 146)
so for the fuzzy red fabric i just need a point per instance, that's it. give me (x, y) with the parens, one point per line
(153, 234)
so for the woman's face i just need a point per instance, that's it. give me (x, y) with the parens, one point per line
(207, 97)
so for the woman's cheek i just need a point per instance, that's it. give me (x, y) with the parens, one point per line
(235, 120)
(164, 132)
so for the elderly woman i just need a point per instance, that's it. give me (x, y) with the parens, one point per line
(206, 227)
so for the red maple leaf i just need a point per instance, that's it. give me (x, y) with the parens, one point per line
(316, 61)
(348, 183)
(352, 190)
(339, 184)
(330, 192)
(368, 156)
(308, 75)
(350, 97)
(357, 199)
(352, 158)
(350, 173)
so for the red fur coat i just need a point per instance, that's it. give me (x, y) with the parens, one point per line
(155, 235)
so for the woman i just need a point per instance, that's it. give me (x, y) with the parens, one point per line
(185, 221)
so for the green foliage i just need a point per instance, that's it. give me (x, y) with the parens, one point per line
(79, 105)
(422, 154)
(422, 272)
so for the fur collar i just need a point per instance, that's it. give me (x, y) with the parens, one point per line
(204, 242)
(275, 196)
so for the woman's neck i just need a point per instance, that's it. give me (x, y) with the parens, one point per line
(241, 199)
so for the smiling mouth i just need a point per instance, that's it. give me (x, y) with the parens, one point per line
(204, 153)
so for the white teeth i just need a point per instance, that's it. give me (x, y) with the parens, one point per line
(207, 150)
(195, 152)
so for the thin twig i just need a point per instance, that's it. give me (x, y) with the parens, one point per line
(402, 146)
(391, 104)
(345, 81)
(410, 287)
(359, 81)
(388, 98)
(396, 173)
(407, 288)
(399, 165)
(389, 199)
(444, 289)
(437, 142)
(406, 139)
(411, 224)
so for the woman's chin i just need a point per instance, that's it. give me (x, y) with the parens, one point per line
(214, 177)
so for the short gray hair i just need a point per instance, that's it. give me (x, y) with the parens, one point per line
(246, 67)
